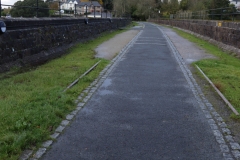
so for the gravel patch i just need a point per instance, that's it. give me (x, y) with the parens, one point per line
(109, 49)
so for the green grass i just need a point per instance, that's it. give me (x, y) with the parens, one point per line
(32, 103)
(135, 23)
(224, 71)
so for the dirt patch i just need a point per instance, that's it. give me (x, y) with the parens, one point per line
(188, 50)
(109, 49)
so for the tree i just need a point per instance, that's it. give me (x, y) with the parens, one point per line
(173, 6)
(138, 9)
(184, 5)
(198, 5)
(6, 11)
(169, 7)
(53, 5)
(20, 9)
(108, 4)
(217, 6)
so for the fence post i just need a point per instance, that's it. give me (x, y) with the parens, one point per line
(86, 11)
(233, 15)
(221, 13)
(37, 9)
(75, 10)
(59, 8)
(0, 9)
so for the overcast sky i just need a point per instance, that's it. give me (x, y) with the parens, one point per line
(8, 2)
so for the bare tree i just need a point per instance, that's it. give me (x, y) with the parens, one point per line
(143, 8)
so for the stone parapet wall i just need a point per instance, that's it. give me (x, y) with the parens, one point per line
(227, 33)
(35, 41)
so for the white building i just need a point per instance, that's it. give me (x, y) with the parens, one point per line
(235, 2)
(81, 7)
(69, 4)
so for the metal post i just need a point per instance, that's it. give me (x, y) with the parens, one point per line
(37, 9)
(59, 9)
(0, 9)
(86, 11)
(106, 13)
(232, 11)
(75, 9)
(221, 13)
(94, 11)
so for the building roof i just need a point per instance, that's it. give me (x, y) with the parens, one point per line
(78, 1)
(94, 3)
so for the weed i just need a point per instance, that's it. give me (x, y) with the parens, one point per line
(219, 86)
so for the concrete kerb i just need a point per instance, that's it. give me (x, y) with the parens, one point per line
(81, 101)
(228, 146)
(219, 93)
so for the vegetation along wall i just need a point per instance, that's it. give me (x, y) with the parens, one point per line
(228, 33)
(35, 41)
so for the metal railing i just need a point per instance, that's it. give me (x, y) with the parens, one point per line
(228, 13)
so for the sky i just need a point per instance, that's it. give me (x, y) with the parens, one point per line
(8, 2)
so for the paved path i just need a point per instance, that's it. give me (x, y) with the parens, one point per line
(145, 109)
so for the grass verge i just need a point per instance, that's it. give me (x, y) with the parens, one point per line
(224, 71)
(32, 103)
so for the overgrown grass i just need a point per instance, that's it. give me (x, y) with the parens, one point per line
(32, 103)
(224, 71)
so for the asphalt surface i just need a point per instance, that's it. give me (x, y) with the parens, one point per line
(145, 109)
